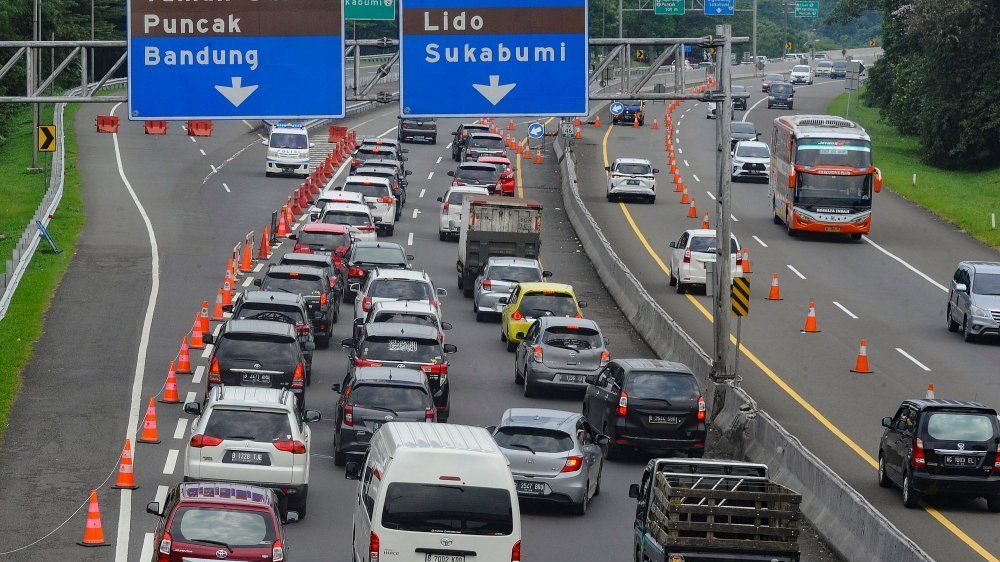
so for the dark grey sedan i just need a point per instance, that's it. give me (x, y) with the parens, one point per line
(559, 353)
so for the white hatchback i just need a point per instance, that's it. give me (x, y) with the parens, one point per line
(631, 177)
(357, 217)
(377, 193)
(692, 251)
(450, 214)
(396, 285)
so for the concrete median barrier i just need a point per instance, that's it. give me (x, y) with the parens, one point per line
(845, 519)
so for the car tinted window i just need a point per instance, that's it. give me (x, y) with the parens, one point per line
(753, 151)
(782, 89)
(455, 197)
(665, 386)
(233, 527)
(267, 350)
(389, 349)
(288, 140)
(325, 242)
(801, 68)
(535, 305)
(825, 64)
(706, 244)
(742, 127)
(305, 285)
(954, 426)
(478, 174)
(401, 289)
(469, 510)
(486, 142)
(244, 424)
(635, 169)
(572, 337)
(261, 311)
(374, 254)
(404, 318)
(397, 398)
(840, 64)
(371, 189)
(348, 218)
(774, 78)
(514, 274)
(366, 152)
(986, 284)
(534, 439)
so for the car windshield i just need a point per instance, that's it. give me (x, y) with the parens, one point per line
(825, 64)
(631, 104)
(840, 64)
(635, 169)
(382, 348)
(673, 388)
(300, 283)
(514, 274)
(533, 439)
(439, 508)
(955, 426)
(742, 127)
(232, 527)
(401, 289)
(379, 255)
(801, 68)
(478, 174)
(855, 153)
(396, 398)
(406, 318)
(368, 152)
(489, 143)
(368, 189)
(260, 348)
(253, 309)
(782, 88)
(706, 244)
(572, 337)
(347, 218)
(288, 140)
(248, 425)
(535, 305)
(753, 151)
(325, 241)
(986, 284)
(774, 78)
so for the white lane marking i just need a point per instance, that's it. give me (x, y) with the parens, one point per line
(387, 131)
(695, 177)
(192, 139)
(439, 159)
(125, 499)
(449, 145)
(746, 115)
(682, 116)
(247, 281)
(795, 271)
(732, 216)
(226, 187)
(202, 151)
(181, 426)
(303, 218)
(686, 163)
(844, 308)
(912, 358)
(262, 137)
(218, 328)
(147, 541)
(430, 175)
(680, 150)
(230, 159)
(161, 495)
(416, 212)
(409, 239)
(258, 267)
(905, 264)
(759, 241)
(207, 352)
(710, 195)
(422, 191)
(199, 372)
(191, 396)
(171, 463)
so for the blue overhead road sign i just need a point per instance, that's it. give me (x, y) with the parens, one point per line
(469, 58)
(719, 7)
(616, 108)
(536, 130)
(235, 60)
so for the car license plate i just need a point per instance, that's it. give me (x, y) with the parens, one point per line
(950, 460)
(444, 558)
(530, 488)
(574, 378)
(633, 182)
(256, 379)
(247, 457)
(832, 229)
(665, 419)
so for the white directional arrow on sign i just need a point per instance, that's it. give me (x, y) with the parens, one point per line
(237, 93)
(495, 91)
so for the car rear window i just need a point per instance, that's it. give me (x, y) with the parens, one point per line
(325, 242)
(367, 152)
(257, 348)
(369, 254)
(664, 386)
(244, 424)
(405, 318)
(478, 174)
(955, 426)
(438, 508)
(706, 245)
(533, 439)
(801, 68)
(514, 274)
(394, 397)
(411, 350)
(486, 142)
(371, 189)
(774, 78)
(536, 305)
(271, 312)
(635, 169)
(349, 218)
(233, 527)
(325, 265)
(401, 289)
(572, 337)
(303, 284)
(741, 127)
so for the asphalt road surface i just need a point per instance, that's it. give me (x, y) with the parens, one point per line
(888, 288)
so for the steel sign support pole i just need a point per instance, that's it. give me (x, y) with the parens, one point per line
(753, 35)
(33, 61)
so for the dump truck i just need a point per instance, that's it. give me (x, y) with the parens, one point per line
(693, 510)
(496, 226)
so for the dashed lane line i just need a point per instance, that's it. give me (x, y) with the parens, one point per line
(171, 463)
(695, 177)
(795, 271)
(844, 309)
(247, 282)
(199, 372)
(759, 241)
(258, 267)
(191, 396)
(710, 194)
(202, 151)
(226, 187)
(904, 263)
(181, 427)
(439, 159)
(686, 163)
(422, 192)
(914, 359)
(207, 352)
(430, 175)
(409, 239)
(416, 212)
(147, 546)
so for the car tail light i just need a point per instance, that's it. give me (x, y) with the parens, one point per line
(435, 369)
(487, 285)
(622, 405)
(165, 543)
(515, 553)
(918, 453)
(573, 464)
(517, 315)
(277, 552)
(537, 351)
(388, 200)
(214, 373)
(605, 358)
(366, 363)
(429, 414)
(323, 299)
(303, 249)
(366, 228)
(996, 462)
(366, 304)
(373, 548)
(355, 272)
(687, 255)
(298, 377)
(349, 416)
(701, 408)
(200, 440)
(293, 446)
(303, 329)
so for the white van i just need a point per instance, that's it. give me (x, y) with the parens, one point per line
(287, 150)
(435, 493)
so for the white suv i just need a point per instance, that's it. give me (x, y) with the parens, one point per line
(357, 217)
(377, 193)
(751, 160)
(396, 285)
(801, 74)
(252, 435)
(631, 177)
(690, 253)
(287, 150)
(450, 215)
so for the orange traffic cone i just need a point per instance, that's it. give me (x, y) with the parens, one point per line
(746, 261)
(227, 293)
(692, 210)
(655, 124)
(217, 313)
(264, 252)
(282, 231)
(149, 432)
(510, 125)
(184, 358)
(93, 532)
(685, 199)
(672, 161)
(576, 121)
(246, 262)
(578, 134)
(811, 326)
(861, 365)
(775, 292)
(930, 392)
(527, 152)
(635, 123)
(597, 121)
(126, 474)
(170, 395)
(538, 157)
(704, 222)
(679, 187)
(197, 336)
(677, 177)
(203, 318)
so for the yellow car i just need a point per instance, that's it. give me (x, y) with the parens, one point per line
(531, 300)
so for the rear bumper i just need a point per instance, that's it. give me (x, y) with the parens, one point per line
(418, 134)
(560, 490)
(656, 444)
(970, 486)
(541, 375)
(618, 189)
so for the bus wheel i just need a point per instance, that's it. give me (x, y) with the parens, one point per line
(856, 236)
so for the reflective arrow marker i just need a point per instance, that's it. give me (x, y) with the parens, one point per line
(237, 93)
(494, 92)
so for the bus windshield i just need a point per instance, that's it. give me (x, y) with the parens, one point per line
(855, 153)
(821, 189)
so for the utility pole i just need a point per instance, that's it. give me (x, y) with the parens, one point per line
(92, 61)
(784, 12)
(723, 228)
(623, 57)
(34, 60)
(753, 36)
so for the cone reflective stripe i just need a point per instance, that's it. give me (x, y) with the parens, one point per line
(197, 336)
(775, 293)
(673, 168)
(672, 161)
(811, 326)
(217, 309)
(264, 252)
(861, 365)
(126, 474)
(184, 358)
(704, 222)
(149, 432)
(655, 124)
(93, 532)
(746, 261)
(685, 198)
(930, 391)
(203, 318)
(692, 210)
(170, 395)
(576, 121)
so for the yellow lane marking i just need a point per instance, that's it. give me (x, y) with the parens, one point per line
(798, 398)
(520, 181)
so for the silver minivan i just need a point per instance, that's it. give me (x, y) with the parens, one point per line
(974, 299)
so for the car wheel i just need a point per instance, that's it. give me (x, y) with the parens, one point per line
(696, 453)
(518, 378)
(791, 106)
(883, 478)
(529, 390)
(673, 280)
(511, 346)
(600, 472)
(434, 140)
(680, 287)
(952, 325)
(855, 236)
(581, 508)
(461, 281)
(993, 504)
(911, 498)
(652, 199)
(966, 334)
(467, 292)
(611, 198)
(769, 106)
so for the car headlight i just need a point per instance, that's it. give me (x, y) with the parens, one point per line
(770, 97)
(976, 311)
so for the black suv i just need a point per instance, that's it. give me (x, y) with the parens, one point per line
(278, 307)
(372, 396)
(740, 96)
(941, 447)
(741, 131)
(406, 346)
(368, 255)
(781, 94)
(315, 286)
(647, 404)
(412, 128)
(257, 353)
(462, 137)
(484, 144)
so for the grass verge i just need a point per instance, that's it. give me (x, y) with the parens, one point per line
(21, 193)
(966, 199)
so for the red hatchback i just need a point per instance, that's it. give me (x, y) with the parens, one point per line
(507, 183)
(219, 520)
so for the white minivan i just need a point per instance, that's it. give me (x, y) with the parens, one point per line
(435, 493)
(450, 215)
(287, 150)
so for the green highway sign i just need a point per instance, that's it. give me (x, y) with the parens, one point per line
(668, 7)
(370, 9)
(807, 9)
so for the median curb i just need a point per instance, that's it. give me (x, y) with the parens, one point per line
(845, 519)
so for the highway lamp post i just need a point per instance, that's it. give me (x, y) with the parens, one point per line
(33, 61)
(753, 37)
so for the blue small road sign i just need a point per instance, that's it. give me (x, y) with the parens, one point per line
(536, 130)
(469, 58)
(235, 60)
(719, 7)
(48, 238)
(617, 108)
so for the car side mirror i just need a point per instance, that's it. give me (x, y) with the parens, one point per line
(258, 282)
(656, 170)
(291, 516)
(153, 508)
(502, 300)
(582, 304)
(208, 339)
(441, 292)
(672, 244)
(878, 180)
(336, 388)
(591, 379)
(440, 199)
(519, 335)
(353, 471)
(293, 236)
(887, 422)
(633, 491)
(446, 326)
(193, 408)
(347, 343)
(451, 173)
(961, 288)
(450, 348)
(408, 173)
(309, 346)
(312, 416)
(227, 308)
(546, 274)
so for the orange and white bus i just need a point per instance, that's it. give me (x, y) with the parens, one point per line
(822, 176)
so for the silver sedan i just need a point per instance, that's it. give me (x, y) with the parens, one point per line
(554, 456)
(497, 279)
